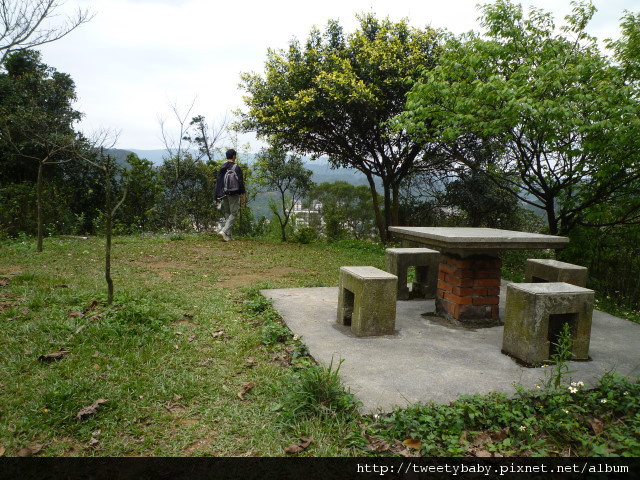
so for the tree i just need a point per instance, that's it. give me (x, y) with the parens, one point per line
(143, 194)
(287, 176)
(23, 24)
(36, 123)
(558, 115)
(188, 181)
(94, 155)
(346, 210)
(335, 95)
(206, 138)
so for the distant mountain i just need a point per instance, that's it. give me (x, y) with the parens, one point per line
(155, 156)
(321, 168)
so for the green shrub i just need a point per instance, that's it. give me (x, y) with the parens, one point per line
(274, 332)
(317, 391)
(305, 235)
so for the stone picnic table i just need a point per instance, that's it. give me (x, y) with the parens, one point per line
(469, 271)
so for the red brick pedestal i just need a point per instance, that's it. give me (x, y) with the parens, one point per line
(469, 288)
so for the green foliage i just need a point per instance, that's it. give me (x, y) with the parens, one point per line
(359, 246)
(274, 332)
(346, 210)
(558, 116)
(534, 423)
(612, 255)
(305, 235)
(188, 190)
(143, 191)
(484, 203)
(334, 95)
(317, 391)
(285, 174)
(562, 349)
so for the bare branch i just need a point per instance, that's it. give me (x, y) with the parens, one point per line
(22, 24)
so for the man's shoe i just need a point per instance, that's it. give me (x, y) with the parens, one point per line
(224, 236)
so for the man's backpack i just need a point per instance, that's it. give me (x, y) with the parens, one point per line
(231, 180)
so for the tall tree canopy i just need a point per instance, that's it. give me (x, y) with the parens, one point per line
(560, 117)
(36, 122)
(334, 96)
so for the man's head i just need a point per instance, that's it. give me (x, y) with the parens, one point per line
(231, 154)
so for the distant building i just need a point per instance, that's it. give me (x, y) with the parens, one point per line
(307, 217)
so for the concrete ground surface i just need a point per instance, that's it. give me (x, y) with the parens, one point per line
(427, 359)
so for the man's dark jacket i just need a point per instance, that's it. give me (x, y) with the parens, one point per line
(220, 181)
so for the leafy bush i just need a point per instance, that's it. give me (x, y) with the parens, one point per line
(274, 332)
(305, 235)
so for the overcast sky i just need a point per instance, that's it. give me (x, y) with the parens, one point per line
(137, 57)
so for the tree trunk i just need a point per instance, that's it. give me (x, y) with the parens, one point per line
(107, 256)
(382, 232)
(395, 206)
(39, 188)
(387, 208)
(551, 218)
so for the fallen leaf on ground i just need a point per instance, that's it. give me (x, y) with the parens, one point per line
(483, 454)
(246, 386)
(92, 306)
(377, 444)
(219, 333)
(399, 448)
(30, 450)
(52, 357)
(412, 443)
(300, 446)
(91, 409)
(481, 439)
(2, 450)
(174, 407)
(93, 442)
(250, 362)
(75, 313)
(178, 333)
(4, 283)
(500, 435)
(596, 425)
(191, 338)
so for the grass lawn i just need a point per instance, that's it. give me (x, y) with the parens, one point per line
(191, 361)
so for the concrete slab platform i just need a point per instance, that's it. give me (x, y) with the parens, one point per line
(428, 360)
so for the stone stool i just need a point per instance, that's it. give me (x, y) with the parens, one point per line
(535, 314)
(426, 262)
(541, 270)
(367, 300)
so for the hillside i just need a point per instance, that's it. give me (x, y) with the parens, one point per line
(322, 171)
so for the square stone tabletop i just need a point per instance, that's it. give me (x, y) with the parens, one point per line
(478, 240)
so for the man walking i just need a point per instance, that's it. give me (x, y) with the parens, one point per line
(230, 191)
